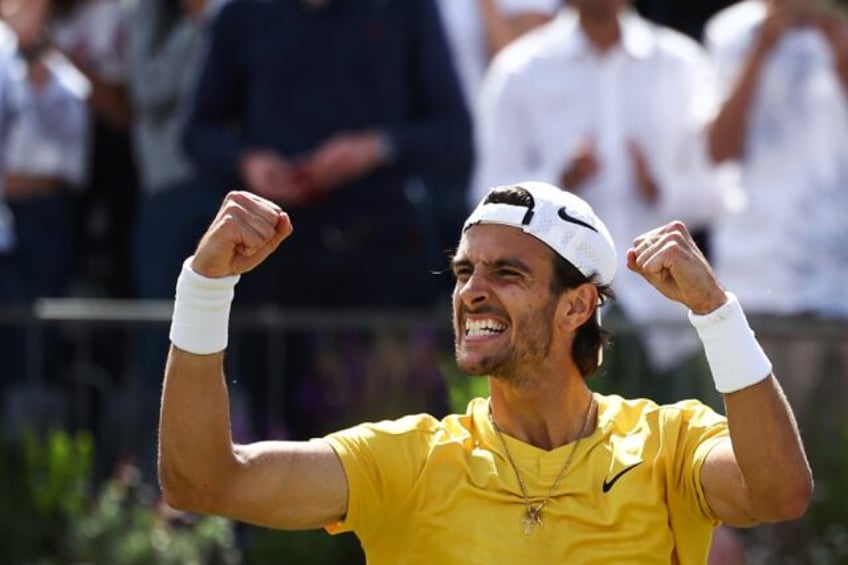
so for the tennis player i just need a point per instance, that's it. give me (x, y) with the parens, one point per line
(543, 470)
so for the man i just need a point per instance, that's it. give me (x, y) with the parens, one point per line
(45, 154)
(334, 109)
(543, 470)
(44, 127)
(613, 107)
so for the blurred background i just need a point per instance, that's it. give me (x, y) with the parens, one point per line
(122, 125)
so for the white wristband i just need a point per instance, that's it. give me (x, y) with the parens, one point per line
(735, 357)
(200, 323)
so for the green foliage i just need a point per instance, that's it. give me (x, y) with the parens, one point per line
(828, 512)
(125, 525)
(821, 535)
(45, 485)
(50, 512)
(461, 387)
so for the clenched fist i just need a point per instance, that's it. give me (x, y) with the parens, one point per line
(669, 259)
(246, 230)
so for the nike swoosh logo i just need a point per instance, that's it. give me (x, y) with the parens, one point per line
(608, 484)
(563, 213)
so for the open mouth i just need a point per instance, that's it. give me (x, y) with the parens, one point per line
(483, 328)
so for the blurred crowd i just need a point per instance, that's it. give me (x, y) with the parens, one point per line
(377, 124)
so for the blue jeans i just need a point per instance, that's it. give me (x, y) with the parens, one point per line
(167, 229)
(45, 251)
(41, 265)
(12, 338)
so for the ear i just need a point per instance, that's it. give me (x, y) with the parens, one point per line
(576, 306)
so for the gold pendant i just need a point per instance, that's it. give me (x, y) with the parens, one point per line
(532, 517)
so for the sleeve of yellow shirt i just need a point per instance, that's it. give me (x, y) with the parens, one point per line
(381, 462)
(693, 429)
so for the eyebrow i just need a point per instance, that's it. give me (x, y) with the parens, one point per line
(513, 263)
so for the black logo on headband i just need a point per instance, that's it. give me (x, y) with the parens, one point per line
(563, 213)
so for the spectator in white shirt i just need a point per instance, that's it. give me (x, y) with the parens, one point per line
(783, 70)
(45, 151)
(476, 30)
(612, 107)
(43, 120)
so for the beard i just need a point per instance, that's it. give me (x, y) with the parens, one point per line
(530, 348)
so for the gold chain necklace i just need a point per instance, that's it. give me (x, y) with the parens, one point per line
(533, 513)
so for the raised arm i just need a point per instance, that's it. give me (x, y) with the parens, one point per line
(729, 129)
(761, 474)
(834, 25)
(277, 484)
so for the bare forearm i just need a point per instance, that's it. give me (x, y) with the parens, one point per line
(729, 129)
(768, 450)
(195, 447)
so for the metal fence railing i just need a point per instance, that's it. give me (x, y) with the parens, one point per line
(84, 327)
(80, 363)
(94, 344)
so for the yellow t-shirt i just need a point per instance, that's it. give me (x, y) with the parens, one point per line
(444, 492)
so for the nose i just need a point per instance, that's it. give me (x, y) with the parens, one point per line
(472, 291)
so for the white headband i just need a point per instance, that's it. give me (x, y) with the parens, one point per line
(561, 220)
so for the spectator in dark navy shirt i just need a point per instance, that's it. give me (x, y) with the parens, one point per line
(334, 109)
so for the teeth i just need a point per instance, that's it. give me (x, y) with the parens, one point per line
(475, 328)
